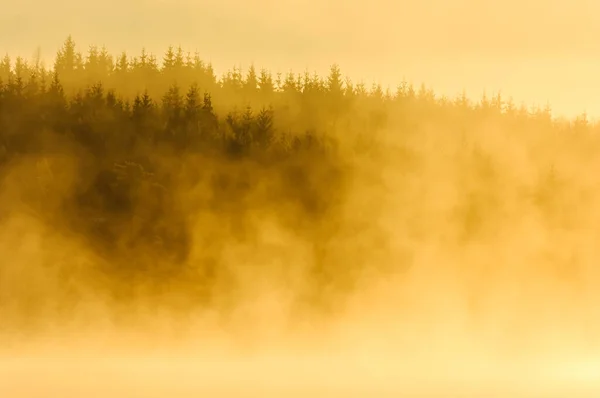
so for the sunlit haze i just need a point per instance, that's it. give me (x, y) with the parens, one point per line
(222, 198)
(537, 51)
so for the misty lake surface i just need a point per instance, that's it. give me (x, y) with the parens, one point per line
(274, 377)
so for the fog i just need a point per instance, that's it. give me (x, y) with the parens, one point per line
(434, 258)
(514, 312)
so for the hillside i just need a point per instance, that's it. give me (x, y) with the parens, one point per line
(127, 183)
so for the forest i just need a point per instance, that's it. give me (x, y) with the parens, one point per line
(167, 174)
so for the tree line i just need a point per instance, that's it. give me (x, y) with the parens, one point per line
(144, 133)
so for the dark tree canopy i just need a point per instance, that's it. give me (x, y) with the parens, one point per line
(132, 154)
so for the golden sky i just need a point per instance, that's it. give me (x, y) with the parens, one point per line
(534, 50)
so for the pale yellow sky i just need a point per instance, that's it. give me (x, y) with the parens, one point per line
(535, 50)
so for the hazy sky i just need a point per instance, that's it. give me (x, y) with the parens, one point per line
(535, 50)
